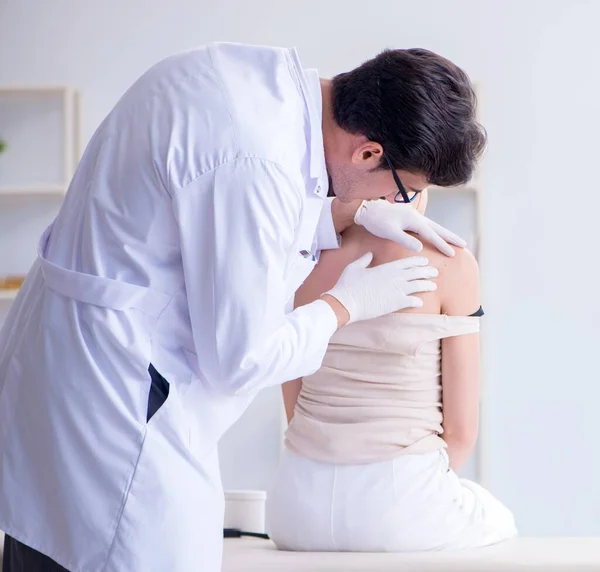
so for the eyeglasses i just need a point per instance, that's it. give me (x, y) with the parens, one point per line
(401, 196)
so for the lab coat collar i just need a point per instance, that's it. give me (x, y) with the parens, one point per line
(311, 89)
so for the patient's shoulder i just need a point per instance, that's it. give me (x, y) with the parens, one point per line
(458, 282)
(462, 264)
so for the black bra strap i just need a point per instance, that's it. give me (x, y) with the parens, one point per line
(477, 314)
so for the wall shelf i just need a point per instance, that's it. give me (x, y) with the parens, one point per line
(69, 101)
(42, 127)
(33, 89)
(28, 190)
(8, 295)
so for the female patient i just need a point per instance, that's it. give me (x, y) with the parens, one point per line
(376, 435)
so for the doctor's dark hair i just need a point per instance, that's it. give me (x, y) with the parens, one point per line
(420, 107)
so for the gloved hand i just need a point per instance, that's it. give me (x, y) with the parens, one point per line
(372, 292)
(391, 220)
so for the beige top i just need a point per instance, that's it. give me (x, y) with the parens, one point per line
(378, 393)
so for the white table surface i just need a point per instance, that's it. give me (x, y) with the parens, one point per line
(521, 554)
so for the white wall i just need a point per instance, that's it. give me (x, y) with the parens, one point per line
(537, 62)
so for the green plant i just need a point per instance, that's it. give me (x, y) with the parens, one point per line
(2, 145)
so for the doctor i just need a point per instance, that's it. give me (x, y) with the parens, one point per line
(160, 301)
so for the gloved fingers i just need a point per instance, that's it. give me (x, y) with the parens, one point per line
(359, 213)
(404, 263)
(405, 239)
(362, 262)
(415, 286)
(413, 302)
(447, 235)
(422, 226)
(418, 273)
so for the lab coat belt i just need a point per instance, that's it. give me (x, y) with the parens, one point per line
(98, 290)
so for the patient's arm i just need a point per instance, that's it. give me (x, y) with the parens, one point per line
(322, 278)
(291, 391)
(460, 361)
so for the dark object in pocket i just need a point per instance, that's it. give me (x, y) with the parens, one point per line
(159, 391)
(20, 558)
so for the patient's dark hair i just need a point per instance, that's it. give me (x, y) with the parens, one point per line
(420, 107)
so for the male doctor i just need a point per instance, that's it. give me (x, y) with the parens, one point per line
(161, 298)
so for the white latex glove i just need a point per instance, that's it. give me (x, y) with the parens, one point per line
(372, 292)
(391, 220)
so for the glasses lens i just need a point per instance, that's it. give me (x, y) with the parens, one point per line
(412, 195)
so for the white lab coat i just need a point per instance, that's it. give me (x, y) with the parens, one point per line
(179, 245)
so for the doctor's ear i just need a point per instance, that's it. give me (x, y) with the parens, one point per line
(368, 155)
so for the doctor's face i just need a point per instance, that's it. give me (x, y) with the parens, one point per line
(350, 184)
(356, 174)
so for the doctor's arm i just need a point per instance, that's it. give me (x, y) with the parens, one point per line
(237, 225)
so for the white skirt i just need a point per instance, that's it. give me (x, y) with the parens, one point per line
(411, 503)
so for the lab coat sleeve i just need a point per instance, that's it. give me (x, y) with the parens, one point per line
(237, 224)
(327, 238)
